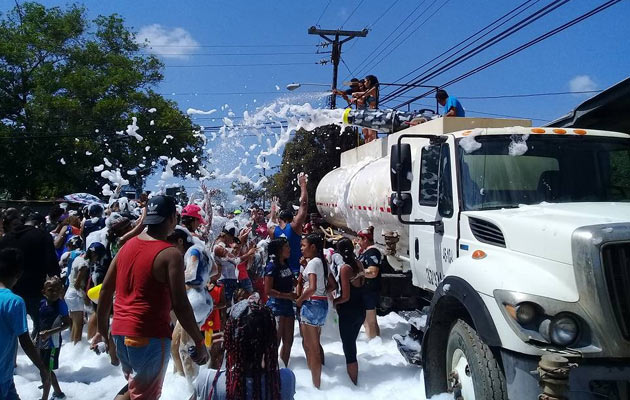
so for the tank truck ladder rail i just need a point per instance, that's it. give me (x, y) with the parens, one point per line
(409, 345)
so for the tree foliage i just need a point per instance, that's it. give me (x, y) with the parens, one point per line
(314, 152)
(67, 86)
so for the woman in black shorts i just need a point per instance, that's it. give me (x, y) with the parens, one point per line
(371, 259)
(279, 283)
(350, 305)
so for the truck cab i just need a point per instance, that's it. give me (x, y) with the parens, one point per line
(520, 238)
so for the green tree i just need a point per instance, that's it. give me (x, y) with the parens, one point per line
(69, 88)
(314, 152)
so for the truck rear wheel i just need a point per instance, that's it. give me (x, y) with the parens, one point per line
(471, 368)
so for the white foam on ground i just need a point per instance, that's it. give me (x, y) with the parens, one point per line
(383, 372)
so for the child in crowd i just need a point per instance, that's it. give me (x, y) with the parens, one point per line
(55, 318)
(74, 245)
(76, 297)
(13, 326)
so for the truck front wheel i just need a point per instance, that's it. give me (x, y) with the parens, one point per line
(471, 368)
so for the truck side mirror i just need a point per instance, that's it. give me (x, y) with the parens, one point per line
(402, 202)
(400, 167)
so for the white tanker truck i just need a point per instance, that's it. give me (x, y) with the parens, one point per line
(519, 238)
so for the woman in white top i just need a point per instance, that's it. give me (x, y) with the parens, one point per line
(225, 248)
(313, 301)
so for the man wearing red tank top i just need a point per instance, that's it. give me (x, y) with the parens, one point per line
(147, 276)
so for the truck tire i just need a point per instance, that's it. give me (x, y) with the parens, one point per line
(472, 371)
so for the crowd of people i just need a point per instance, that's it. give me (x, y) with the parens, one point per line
(150, 280)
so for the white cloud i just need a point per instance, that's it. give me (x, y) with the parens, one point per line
(174, 43)
(582, 83)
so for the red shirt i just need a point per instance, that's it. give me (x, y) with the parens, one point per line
(142, 305)
(213, 322)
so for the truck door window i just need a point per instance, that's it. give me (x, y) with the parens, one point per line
(445, 193)
(429, 169)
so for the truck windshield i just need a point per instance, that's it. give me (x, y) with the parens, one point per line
(558, 169)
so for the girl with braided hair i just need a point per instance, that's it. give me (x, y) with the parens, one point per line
(350, 305)
(252, 371)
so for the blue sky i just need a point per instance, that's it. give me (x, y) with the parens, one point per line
(590, 55)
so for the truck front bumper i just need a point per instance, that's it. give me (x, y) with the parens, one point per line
(591, 379)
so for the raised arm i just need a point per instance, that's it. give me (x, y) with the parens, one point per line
(273, 213)
(300, 218)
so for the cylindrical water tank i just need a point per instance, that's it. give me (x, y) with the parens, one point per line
(357, 196)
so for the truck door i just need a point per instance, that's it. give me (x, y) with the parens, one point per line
(432, 252)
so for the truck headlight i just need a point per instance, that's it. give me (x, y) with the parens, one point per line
(563, 330)
(526, 312)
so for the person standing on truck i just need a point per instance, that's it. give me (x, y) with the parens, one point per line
(291, 228)
(350, 305)
(452, 106)
(369, 97)
(371, 259)
(354, 87)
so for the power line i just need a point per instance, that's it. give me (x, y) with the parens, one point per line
(526, 45)
(240, 65)
(234, 54)
(371, 27)
(472, 36)
(388, 36)
(508, 96)
(408, 36)
(323, 12)
(487, 113)
(352, 13)
(233, 93)
(227, 45)
(529, 44)
(437, 70)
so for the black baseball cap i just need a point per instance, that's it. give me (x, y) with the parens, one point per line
(159, 208)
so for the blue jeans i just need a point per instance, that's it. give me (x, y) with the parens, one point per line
(144, 362)
(229, 287)
(314, 312)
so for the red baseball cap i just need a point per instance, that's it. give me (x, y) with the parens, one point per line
(193, 210)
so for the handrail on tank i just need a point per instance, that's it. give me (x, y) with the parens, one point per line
(438, 225)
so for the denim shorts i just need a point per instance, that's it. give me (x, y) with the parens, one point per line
(246, 284)
(371, 299)
(314, 312)
(281, 307)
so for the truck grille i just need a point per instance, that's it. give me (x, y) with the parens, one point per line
(616, 260)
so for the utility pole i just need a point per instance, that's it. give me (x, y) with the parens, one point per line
(336, 49)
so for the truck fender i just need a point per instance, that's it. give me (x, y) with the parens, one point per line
(454, 298)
